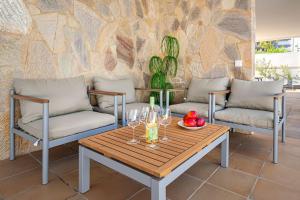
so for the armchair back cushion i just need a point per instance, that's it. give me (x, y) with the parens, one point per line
(65, 96)
(199, 88)
(254, 94)
(122, 85)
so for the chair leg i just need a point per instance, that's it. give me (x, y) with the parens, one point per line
(45, 159)
(283, 132)
(275, 145)
(275, 132)
(11, 126)
(45, 165)
(12, 145)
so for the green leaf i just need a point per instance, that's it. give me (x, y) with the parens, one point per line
(170, 46)
(170, 66)
(158, 81)
(155, 64)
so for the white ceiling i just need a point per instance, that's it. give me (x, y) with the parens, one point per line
(276, 19)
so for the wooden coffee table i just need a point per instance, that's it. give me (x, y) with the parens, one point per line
(153, 168)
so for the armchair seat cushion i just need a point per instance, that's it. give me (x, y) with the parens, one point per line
(201, 108)
(129, 106)
(256, 118)
(69, 124)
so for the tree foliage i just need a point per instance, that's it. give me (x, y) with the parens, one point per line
(269, 47)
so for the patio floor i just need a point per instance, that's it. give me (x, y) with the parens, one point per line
(251, 174)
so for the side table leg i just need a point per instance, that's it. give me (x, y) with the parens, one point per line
(84, 171)
(158, 190)
(225, 152)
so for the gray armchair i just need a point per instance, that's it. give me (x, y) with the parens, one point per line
(197, 98)
(128, 100)
(55, 112)
(254, 106)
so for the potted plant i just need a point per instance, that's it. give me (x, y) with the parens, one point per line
(163, 69)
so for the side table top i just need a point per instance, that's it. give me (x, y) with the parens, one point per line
(159, 162)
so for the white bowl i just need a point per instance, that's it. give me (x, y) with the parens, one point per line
(180, 123)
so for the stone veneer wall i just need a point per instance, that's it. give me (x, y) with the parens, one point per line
(116, 38)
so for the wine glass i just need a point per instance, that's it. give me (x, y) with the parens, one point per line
(165, 120)
(143, 117)
(133, 121)
(152, 130)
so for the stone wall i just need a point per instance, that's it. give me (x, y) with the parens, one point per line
(116, 38)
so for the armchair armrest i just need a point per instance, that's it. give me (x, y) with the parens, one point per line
(279, 95)
(115, 96)
(154, 90)
(30, 98)
(109, 93)
(177, 90)
(148, 89)
(219, 92)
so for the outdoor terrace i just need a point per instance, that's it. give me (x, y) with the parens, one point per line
(250, 175)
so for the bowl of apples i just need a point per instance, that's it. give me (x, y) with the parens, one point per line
(192, 121)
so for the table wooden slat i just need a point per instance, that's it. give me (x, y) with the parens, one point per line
(160, 162)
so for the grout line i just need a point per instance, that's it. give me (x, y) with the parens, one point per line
(76, 194)
(33, 157)
(17, 174)
(227, 190)
(256, 180)
(193, 177)
(276, 183)
(205, 181)
(137, 192)
(56, 174)
(20, 192)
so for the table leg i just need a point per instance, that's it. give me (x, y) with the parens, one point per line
(158, 190)
(84, 171)
(225, 152)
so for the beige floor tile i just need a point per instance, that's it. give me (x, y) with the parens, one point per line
(98, 174)
(233, 180)
(282, 175)
(45, 192)
(265, 190)
(64, 166)
(17, 166)
(202, 169)
(287, 160)
(254, 152)
(211, 192)
(213, 156)
(56, 153)
(245, 163)
(116, 187)
(22, 182)
(182, 187)
(258, 140)
(291, 149)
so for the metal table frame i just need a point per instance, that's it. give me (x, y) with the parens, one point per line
(157, 185)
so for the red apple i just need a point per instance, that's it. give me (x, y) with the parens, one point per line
(192, 114)
(185, 117)
(190, 122)
(200, 122)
